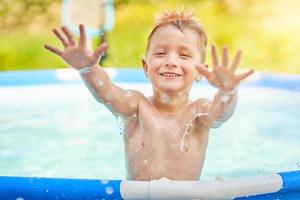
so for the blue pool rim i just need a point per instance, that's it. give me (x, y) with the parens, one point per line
(41, 77)
(36, 188)
(39, 188)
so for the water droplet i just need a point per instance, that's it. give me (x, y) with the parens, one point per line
(20, 198)
(128, 94)
(164, 179)
(140, 147)
(225, 98)
(104, 182)
(164, 98)
(100, 83)
(47, 190)
(109, 190)
(183, 147)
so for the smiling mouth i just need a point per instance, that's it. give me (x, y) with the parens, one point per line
(169, 74)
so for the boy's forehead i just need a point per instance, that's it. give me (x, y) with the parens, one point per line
(162, 36)
(173, 30)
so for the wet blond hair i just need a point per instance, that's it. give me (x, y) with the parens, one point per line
(181, 19)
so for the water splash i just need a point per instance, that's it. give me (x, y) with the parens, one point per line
(187, 129)
(120, 123)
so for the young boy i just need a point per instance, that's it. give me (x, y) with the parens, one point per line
(165, 135)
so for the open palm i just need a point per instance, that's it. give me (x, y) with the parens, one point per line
(223, 75)
(76, 55)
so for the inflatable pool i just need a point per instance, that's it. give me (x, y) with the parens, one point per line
(281, 186)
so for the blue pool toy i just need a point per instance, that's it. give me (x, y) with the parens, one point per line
(280, 186)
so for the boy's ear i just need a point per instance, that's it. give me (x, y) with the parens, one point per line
(198, 71)
(145, 67)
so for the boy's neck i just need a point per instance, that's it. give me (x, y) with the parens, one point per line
(170, 103)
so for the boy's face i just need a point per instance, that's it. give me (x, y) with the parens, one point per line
(173, 59)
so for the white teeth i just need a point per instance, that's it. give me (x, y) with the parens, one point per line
(170, 74)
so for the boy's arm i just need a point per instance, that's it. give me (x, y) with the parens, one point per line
(219, 110)
(223, 76)
(97, 80)
(116, 99)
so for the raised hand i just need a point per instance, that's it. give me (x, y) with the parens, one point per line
(78, 56)
(223, 75)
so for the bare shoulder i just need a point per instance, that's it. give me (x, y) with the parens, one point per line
(202, 104)
(126, 102)
(136, 94)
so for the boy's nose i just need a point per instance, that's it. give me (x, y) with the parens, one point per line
(171, 61)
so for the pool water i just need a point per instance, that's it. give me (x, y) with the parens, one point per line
(59, 130)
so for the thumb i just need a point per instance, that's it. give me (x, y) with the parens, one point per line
(100, 50)
(202, 69)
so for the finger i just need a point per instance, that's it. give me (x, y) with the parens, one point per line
(60, 37)
(225, 57)
(236, 60)
(82, 39)
(214, 56)
(54, 50)
(244, 75)
(100, 50)
(69, 35)
(203, 71)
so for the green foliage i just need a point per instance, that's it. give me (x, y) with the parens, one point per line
(16, 14)
(268, 36)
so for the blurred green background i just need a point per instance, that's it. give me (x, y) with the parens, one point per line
(266, 30)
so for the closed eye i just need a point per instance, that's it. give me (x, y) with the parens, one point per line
(159, 54)
(184, 56)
